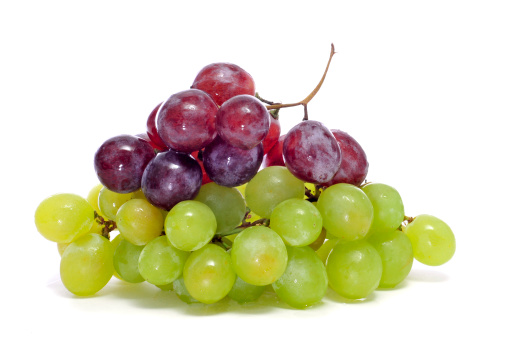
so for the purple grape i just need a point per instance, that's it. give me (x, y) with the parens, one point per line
(243, 121)
(120, 161)
(171, 177)
(231, 166)
(354, 166)
(311, 153)
(186, 120)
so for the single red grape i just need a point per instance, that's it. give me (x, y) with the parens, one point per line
(151, 130)
(273, 134)
(274, 156)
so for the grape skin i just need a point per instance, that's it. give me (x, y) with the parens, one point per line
(125, 261)
(388, 207)
(139, 222)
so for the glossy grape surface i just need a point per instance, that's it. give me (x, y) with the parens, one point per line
(208, 274)
(432, 239)
(388, 207)
(354, 269)
(120, 161)
(243, 121)
(311, 153)
(139, 222)
(231, 166)
(125, 260)
(87, 265)
(347, 211)
(274, 156)
(354, 166)
(304, 281)
(259, 255)
(110, 202)
(64, 217)
(223, 81)
(171, 177)
(186, 121)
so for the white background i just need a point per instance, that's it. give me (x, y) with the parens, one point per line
(422, 85)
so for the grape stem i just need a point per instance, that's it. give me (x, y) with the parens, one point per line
(108, 225)
(407, 220)
(307, 99)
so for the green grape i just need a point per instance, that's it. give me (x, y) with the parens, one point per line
(64, 217)
(182, 292)
(126, 259)
(304, 282)
(114, 243)
(190, 225)
(226, 203)
(87, 265)
(347, 212)
(110, 202)
(259, 255)
(160, 263)
(208, 274)
(271, 186)
(61, 247)
(354, 269)
(243, 292)
(241, 189)
(93, 199)
(432, 239)
(324, 251)
(139, 222)
(396, 254)
(165, 287)
(319, 241)
(388, 207)
(297, 221)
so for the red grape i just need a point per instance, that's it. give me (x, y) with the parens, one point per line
(151, 130)
(274, 156)
(223, 81)
(273, 134)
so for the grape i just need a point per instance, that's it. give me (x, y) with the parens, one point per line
(311, 152)
(271, 186)
(190, 225)
(139, 222)
(231, 166)
(165, 287)
(259, 255)
(182, 292)
(110, 202)
(354, 165)
(151, 129)
(354, 269)
(388, 207)
(243, 292)
(160, 262)
(297, 221)
(319, 241)
(186, 121)
(243, 121)
(208, 274)
(324, 251)
(120, 162)
(304, 281)
(274, 155)
(223, 81)
(125, 260)
(87, 265)
(273, 135)
(227, 205)
(347, 212)
(93, 198)
(171, 177)
(64, 217)
(432, 239)
(396, 254)
(199, 158)
(114, 243)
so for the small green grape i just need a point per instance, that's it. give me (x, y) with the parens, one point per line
(243, 292)
(110, 202)
(388, 207)
(139, 222)
(125, 260)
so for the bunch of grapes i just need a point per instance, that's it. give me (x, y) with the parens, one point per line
(212, 202)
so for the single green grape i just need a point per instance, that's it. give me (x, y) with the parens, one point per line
(93, 199)
(87, 265)
(190, 225)
(208, 274)
(182, 292)
(297, 221)
(319, 241)
(226, 203)
(114, 243)
(243, 292)
(165, 287)
(259, 255)
(396, 254)
(110, 202)
(139, 222)
(432, 239)
(324, 251)
(160, 262)
(347, 212)
(388, 207)
(354, 269)
(125, 260)
(64, 217)
(271, 186)
(304, 281)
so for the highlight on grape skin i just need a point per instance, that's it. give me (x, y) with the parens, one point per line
(211, 203)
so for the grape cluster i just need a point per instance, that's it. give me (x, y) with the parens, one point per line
(211, 201)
